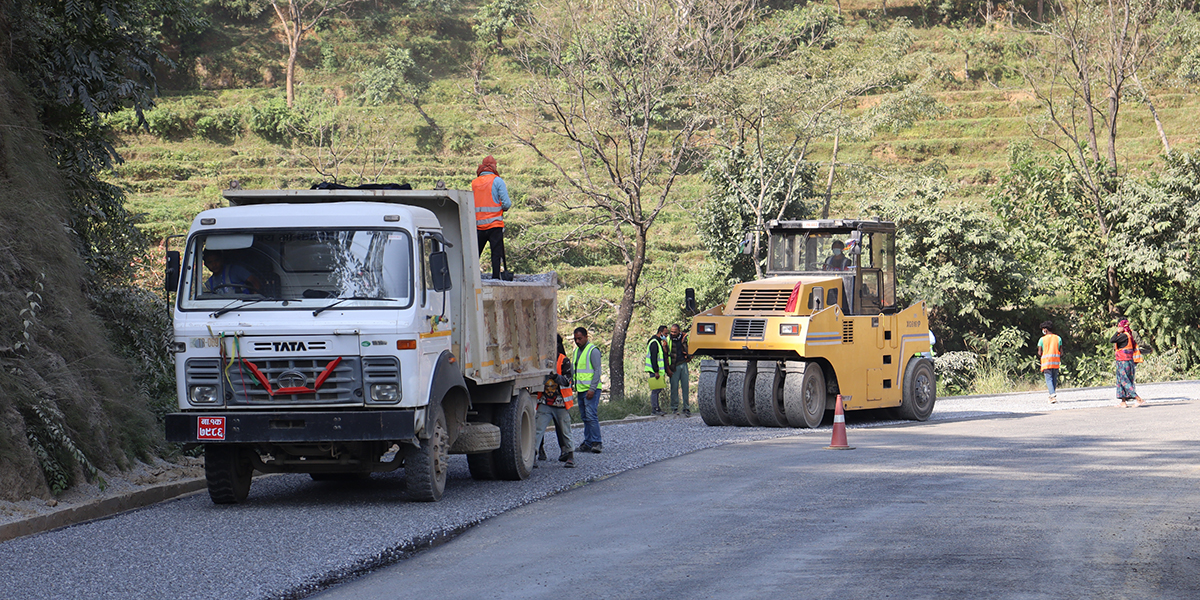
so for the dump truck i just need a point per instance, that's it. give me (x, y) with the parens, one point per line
(348, 332)
(823, 323)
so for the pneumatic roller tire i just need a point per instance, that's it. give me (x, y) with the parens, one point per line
(805, 396)
(768, 394)
(710, 397)
(739, 393)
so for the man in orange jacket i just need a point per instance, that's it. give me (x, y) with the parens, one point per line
(491, 200)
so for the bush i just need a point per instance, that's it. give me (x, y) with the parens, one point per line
(221, 125)
(165, 122)
(274, 121)
(125, 121)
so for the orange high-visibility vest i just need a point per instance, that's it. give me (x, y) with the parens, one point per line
(568, 393)
(1051, 354)
(1126, 352)
(489, 214)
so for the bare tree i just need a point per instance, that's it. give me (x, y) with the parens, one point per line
(1091, 52)
(610, 106)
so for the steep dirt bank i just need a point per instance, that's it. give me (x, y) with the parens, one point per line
(67, 402)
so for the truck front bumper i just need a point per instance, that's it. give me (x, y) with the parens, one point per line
(236, 427)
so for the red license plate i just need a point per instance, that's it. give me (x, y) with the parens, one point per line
(210, 428)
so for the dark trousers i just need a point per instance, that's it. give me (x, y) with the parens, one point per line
(495, 237)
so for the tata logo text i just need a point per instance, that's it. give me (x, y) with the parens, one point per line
(289, 346)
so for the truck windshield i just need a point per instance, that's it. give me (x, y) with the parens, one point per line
(307, 268)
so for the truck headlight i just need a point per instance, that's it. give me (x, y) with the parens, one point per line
(385, 392)
(706, 328)
(203, 394)
(789, 329)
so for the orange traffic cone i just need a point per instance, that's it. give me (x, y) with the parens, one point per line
(839, 429)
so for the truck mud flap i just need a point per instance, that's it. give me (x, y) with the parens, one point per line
(291, 427)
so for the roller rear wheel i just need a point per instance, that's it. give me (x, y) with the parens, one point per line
(804, 396)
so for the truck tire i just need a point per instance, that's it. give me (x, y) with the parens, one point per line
(517, 428)
(476, 438)
(426, 465)
(483, 466)
(228, 469)
(710, 398)
(920, 390)
(805, 397)
(739, 393)
(768, 394)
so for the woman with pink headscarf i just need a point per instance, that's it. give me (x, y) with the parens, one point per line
(1125, 343)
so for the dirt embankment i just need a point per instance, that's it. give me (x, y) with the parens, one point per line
(67, 402)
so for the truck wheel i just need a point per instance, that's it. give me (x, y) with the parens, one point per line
(768, 394)
(228, 470)
(483, 466)
(425, 466)
(804, 396)
(739, 393)
(711, 395)
(920, 390)
(516, 454)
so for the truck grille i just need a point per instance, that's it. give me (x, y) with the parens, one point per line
(760, 300)
(748, 329)
(338, 388)
(847, 332)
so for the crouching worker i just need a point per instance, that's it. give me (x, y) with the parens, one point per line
(555, 399)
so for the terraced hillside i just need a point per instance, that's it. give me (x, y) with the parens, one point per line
(179, 170)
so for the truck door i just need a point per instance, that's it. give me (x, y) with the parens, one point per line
(434, 317)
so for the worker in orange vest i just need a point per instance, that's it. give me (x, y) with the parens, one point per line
(555, 399)
(1050, 351)
(491, 200)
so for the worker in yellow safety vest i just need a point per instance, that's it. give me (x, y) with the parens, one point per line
(656, 368)
(1050, 352)
(586, 362)
(491, 200)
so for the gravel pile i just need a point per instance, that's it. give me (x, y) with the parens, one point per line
(295, 536)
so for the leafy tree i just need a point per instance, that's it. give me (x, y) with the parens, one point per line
(497, 16)
(962, 262)
(1084, 67)
(1156, 240)
(399, 78)
(747, 190)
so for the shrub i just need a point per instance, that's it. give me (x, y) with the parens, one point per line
(221, 125)
(273, 122)
(165, 122)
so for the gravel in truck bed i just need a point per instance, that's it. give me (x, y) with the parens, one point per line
(294, 536)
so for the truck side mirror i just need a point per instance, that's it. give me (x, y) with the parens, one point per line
(439, 271)
(171, 281)
(689, 301)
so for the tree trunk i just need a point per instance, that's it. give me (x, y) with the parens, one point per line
(293, 50)
(616, 352)
(829, 185)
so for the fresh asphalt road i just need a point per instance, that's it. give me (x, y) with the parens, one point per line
(1093, 503)
(1000, 496)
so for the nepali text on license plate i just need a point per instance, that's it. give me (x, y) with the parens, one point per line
(210, 428)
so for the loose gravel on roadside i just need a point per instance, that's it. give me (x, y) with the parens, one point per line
(295, 536)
